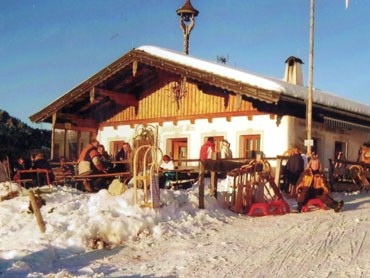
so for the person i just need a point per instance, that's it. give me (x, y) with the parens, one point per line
(340, 168)
(293, 169)
(225, 149)
(314, 164)
(21, 164)
(120, 155)
(167, 169)
(40, 162)
(339, 163)
(67, 169)
(207, 149)
(127, 149)
(305, 160)
(105, 158)
(89, 162)
(312, 186)
(123, 154)
(167, 163)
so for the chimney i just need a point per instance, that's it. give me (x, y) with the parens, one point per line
(293, 71)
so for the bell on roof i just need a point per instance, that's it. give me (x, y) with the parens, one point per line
(187, 11)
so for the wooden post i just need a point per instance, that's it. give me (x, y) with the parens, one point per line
(310, 79)
(36, 211)
(79, 147)
(65, 142)
(7, 169)
(239, 196)
(279, 162)
(213, 188)
(201, 184)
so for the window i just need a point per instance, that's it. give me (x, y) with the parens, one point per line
(178, 150)
(114, 147)
(339, 147)
(250, 146)
(73, 152)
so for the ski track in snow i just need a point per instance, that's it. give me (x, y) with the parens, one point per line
(290, 251)
(284, 252)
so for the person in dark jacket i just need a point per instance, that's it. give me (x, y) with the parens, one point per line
(293, 169)
(123, 154)
(41, 163)
(67, 169)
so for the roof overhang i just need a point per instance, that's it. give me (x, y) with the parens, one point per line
(120, 85)
(145, 69)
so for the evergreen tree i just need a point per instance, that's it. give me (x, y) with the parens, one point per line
(17, 138)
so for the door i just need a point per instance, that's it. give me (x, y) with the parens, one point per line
(180, 151)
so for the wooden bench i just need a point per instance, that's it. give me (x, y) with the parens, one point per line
(74, 180)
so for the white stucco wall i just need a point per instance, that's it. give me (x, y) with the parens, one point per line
(326, 138)
(274, 140)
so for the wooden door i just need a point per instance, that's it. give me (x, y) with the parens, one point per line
(180, 150)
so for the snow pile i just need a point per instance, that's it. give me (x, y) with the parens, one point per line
(100, 235)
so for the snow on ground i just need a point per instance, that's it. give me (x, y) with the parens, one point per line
(99, 235)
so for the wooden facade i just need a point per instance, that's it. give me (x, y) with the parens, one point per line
(162, 105)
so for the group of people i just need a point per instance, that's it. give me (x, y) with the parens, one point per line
(209, 147)
(94, 159)
(37, 162)
(302, 176)
(305, 177)
(167, 166)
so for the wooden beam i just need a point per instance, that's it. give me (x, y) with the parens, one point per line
(192, 118)
(134, 67)
(124, 99)
(74, 119)
(92, 95)
(78, 128)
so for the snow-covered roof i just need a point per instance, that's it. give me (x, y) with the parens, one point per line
(257, 80)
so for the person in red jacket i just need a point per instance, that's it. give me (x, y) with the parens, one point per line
(207, 149)
(89, 162)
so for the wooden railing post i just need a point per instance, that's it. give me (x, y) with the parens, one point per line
(279, 162)
(201, 184)
(213, 189)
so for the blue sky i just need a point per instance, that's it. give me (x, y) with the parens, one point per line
(47, 47)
